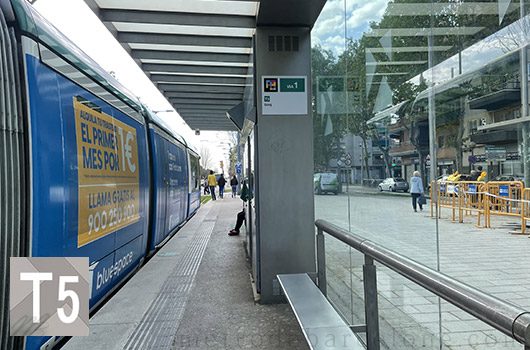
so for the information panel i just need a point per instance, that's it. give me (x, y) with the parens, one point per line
(107, 156)
(284, 95)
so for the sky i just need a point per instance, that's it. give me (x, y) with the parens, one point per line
(329, 30)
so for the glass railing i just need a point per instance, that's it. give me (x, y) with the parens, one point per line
(413, 306)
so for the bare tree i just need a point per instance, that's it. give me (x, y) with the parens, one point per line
(206, 158)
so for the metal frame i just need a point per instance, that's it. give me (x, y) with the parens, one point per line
(508, 318)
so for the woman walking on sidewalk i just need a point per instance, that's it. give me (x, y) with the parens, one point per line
(222, 183)
(211, 183)
(416, 189)
(234, 183)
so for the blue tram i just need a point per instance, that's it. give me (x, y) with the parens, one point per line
(87, 170)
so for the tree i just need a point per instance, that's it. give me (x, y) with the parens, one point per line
(324, 125)
(206, 158)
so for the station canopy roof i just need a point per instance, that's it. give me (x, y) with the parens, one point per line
(198, 52)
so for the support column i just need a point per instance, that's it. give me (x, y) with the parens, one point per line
(284, 156)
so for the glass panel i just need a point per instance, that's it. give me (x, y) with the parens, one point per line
(340, 285)
(408, 314)
(439, 88)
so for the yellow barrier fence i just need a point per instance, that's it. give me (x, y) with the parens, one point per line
(471, 198)
(505, 198)
(462, 197)
(526, 208)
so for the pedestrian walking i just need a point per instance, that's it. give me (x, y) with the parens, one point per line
(212, 182)
(206, 188)
(234, 183)
(416, 189)
(222, 183)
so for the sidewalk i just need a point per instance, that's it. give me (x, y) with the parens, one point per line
(221, 312)
(195, 293)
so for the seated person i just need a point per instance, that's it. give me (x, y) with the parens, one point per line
(240, 219)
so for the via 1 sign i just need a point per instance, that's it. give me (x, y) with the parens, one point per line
(284, 95)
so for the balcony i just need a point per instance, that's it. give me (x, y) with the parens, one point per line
(505, 94)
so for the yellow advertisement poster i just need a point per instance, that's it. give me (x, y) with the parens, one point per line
(107, 157)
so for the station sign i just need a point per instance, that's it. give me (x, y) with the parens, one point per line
(284, 95)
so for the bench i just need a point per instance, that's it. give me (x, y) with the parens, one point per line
(322, 326)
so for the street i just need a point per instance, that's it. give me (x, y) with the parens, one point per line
(489, 259)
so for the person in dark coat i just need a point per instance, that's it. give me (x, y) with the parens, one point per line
(221, 182)
(234, 183)
(241, 216)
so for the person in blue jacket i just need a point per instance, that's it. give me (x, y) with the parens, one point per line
(416, 189)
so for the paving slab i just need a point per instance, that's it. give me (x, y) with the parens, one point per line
(492, 260)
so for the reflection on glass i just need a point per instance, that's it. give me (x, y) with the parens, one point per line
(436, 87)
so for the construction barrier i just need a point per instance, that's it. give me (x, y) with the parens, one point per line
(525, 203)
(505, 198)
(465, 198)
(471, 200)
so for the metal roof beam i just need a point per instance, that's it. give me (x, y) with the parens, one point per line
(209, 121)
(218, 121)
(214, 128)
(203, 95)
(205, 107)
(194, 68)
(170, 78)
(181, 39)
(201, 88)
(200, 101)
(182, 18)
(201, 110)
(206, 114)
(190, 56)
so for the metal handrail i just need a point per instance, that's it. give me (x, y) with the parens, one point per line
(508, 318)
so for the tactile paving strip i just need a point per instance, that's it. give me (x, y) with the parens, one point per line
(159, 324)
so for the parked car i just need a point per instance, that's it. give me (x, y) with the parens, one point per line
(325, 183)
(509, 177)
(394, 184)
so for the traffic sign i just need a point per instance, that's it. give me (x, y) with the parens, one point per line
(472, 159)
(339, 163)
(238, 169)
(495, 153)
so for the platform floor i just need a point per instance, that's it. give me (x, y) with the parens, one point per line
(194, 294)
